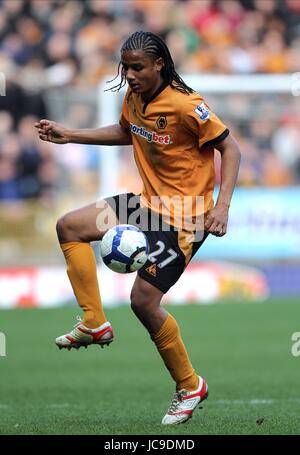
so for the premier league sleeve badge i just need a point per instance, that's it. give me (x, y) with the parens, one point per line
(202, 111)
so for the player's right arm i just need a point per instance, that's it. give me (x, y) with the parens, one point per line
(109, 135)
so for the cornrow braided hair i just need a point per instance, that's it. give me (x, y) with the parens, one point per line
(152, 44)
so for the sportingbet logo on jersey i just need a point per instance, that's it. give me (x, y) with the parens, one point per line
(202, 111)
(150, 136)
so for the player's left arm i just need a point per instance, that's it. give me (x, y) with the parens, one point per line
(217, 218)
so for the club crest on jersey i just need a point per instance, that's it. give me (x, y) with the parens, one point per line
(150, 136)
(202, 111)
(161, 122)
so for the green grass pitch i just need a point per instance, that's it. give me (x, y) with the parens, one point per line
(243, 350)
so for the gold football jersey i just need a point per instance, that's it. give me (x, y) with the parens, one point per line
(173, 137)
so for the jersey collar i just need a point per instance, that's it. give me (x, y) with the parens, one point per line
(155, 94)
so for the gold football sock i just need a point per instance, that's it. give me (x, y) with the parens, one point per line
(172, 350)
(82, 272)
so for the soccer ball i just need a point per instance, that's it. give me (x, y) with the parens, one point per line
(124, 248)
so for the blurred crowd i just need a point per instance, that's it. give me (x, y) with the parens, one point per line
(50, 45)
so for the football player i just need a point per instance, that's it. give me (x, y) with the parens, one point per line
(173, 133)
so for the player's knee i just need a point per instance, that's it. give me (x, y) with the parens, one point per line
(64, 227)
(138, 301)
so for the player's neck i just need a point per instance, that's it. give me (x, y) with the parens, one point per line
(147, 96)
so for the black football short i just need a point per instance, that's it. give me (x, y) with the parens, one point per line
(168, 258)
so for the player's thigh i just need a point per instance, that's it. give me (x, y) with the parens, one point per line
(86, 224)
(145, 294)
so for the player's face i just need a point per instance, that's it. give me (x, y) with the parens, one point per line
(142, 72)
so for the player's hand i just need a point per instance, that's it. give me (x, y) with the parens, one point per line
(216, 220)
(52, 132)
